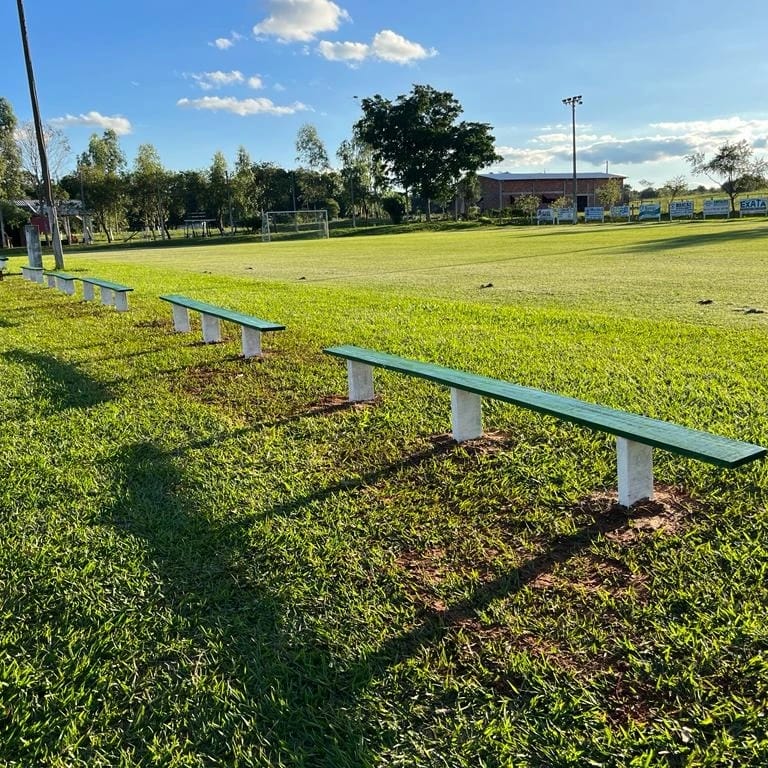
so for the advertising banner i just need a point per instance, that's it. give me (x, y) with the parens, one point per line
(545, 215)
(649, 211)
(620, 212)
(720, 207)
(753, 206)
(681, 209)
(565, 214)
(594, 214)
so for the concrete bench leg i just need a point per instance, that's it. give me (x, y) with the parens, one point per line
(107, 297)
(180, 319)
(26, 274)
(211, 328)
(88, 291)
(51, 281)
(466, 415)
(251, 341)
(121, 300)
(360, 377)
(635, 464)
(39, 278)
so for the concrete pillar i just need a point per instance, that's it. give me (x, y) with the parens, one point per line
(88, 291)
(635, 468)
(121, 300)
(180, 318)
(211, 328)
(466, 415)
(360, 377)
(107, 297)
(251, 341)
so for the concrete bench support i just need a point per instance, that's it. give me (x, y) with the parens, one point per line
(211, 328)
(120, 300)
(51, 279)
(635, 470)
(66, 285)
(251, 341)
(107, 297)
(466, 415)
(360, 377)
(180, 319)
(88, 293)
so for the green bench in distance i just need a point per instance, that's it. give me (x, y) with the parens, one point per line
(636, 436)
(211, 315)
(61, 280)
(33, 274)
(112, 294)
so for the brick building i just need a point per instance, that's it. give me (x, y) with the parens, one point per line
(500, 190)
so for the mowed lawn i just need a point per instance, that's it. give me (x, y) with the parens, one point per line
(206, 561)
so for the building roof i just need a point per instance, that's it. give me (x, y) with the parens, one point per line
(546, 176)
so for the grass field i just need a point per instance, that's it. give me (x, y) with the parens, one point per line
(206, 561)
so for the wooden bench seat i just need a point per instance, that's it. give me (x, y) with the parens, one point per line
(636, 436)
(112, 294)
(61, 280)
(211, 315)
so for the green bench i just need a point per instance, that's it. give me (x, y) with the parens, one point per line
(211, 315)
(61, 280)
(636, 436)
(33, 274)
(112, 294)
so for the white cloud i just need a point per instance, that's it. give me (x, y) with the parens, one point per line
(279, 87)
(209, 81)
(385, 46)
(389, 46)
(343, 51)
(120, 125)
(255, 82)
(242, 107)
(300, 20)
(224, 43)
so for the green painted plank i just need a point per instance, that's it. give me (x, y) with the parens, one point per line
(62, 275)
(224, 314)
(713, 449)
(104, 283)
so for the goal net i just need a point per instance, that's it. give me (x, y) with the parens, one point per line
(293, 225)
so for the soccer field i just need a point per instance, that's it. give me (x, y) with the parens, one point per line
(211, 561)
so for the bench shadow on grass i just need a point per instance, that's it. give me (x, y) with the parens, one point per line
(692, 239)
(304, 699)
(64, 383)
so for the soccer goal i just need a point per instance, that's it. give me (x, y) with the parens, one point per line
(293, 225)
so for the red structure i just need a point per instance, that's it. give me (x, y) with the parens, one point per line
(500, 190)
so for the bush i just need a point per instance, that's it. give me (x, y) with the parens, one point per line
(395, 209)
(333, 208)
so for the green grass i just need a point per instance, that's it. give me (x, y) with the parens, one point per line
(206, 561)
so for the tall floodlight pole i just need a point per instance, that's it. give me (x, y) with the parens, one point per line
(572, 102)
(58, 253)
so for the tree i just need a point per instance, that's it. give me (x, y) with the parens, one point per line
(468, 190)
(419, 142)
(149, 183)
(56, 146)
(10, 167)
(310, 150)
(733, 168)
(609, 193)
(102, 167)
(218, 188)
(529, 204)
(674, 187)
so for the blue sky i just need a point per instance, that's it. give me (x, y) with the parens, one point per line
(659, 78)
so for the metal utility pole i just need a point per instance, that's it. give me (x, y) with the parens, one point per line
(572, 102)
(58, 253)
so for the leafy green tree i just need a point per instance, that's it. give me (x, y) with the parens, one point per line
(245, 190)
(529, 204)
(395, 208)
(609, 193)
(218, 189)
(149, 189)
(102, 168)
(310, 150)
(673, 188)
(10, 169)
(734, 168)
(468, 191)
(421, 144)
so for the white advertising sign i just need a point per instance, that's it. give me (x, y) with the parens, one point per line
(720, 207)
(681, 209)
(545, 215)
(752, 206)
(594, 213)
(564, 214)
(620, 212)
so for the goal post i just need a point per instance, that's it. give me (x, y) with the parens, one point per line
(294, 225)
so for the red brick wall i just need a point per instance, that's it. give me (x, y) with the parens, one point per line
(549, 189)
